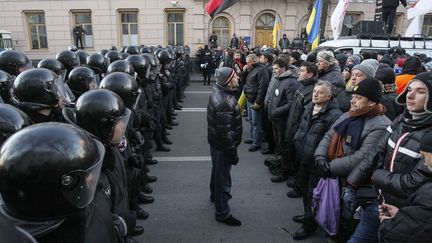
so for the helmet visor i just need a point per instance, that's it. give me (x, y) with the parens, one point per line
(137, 96)
(79, 186)
(62, 91)
(120, 127)
(94, 84)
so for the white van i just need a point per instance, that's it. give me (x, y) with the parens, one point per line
(357, 45)
(5, 40)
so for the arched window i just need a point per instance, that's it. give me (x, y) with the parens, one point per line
(221, 27)
(264, 29)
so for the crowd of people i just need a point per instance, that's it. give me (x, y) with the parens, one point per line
(349, 133)
(77, 133)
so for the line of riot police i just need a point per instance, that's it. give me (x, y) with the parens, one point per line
(77, 134)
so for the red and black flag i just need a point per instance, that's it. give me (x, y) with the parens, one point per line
(215, 7)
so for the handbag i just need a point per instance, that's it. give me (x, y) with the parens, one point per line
(326, 205)
(366, 194)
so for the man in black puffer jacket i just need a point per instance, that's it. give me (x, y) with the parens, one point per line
(389, 12)
(255, 89)
(224, 135)
(399, 157)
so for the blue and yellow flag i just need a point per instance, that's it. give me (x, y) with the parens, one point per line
(277, 27)
(313, 25)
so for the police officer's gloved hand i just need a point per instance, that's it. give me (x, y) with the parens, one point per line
(349, 203)
(135, 160)
(324, 168)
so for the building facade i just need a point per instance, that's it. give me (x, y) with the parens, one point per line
(43, 28)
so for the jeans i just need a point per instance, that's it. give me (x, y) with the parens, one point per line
(255, 120)
(220, 183)
(367, 229)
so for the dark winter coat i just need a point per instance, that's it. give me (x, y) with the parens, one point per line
(412, 223)
(224, 120)
(334, 76)
(302, 97)
(399, 176)
(281, 99)
(312, 129)
(374, 128)
(257, 81)
(392, 3)
(234, 43)
(283, 43)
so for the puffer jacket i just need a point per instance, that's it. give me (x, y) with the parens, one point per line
(374, 128)
(302, 97)
(312, 129)
(334, 76)
(412, 223)
(282, 97)
(224, 120)
(392, 3)
(256, 85)
(398, 175)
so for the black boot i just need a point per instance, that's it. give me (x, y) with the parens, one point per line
(231, 221)
(303, 233)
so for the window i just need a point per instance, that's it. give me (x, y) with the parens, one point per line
(37, 30)
(221, 27)
(129, 28)
(427, 25)
(351, 19)
(175, 21)
(84, 19)
(266, 21)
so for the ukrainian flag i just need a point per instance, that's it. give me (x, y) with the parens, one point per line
(313, 25)
(276, 28)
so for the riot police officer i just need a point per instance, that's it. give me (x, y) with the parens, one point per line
(14, 62)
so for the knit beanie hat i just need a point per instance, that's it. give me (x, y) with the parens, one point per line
(355, 59)
(385, 74)
(311, 58)
(369, 88)
(327, 57)
(373, 62)
(223, 75)
(426, 78)
(365, 68)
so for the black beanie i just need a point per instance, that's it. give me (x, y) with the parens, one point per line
(369, 88)
(426, 78)
(223, 75)
(385, 75)
(296, 55)
(426, 143)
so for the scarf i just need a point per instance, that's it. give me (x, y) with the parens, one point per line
(349, 130)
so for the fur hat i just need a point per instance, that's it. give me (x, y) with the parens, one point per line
(426, 78)
(223, 75)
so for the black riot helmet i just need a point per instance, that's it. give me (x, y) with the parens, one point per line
(171, 53)
(113, 48)
(150, 59)
(132, 50)
(113, 56)
(98, 63)
(164, 57)
(14, 62)
(179, 52)
(102, 113)
(6, 81)
(145, 50)
(38, 89)
(82, 55)
(53, 65)
(124, 86)
(103, 52)
(69, 59)
(124, 55)
(12, 120)
(121, 66)
(140, 65)
(82, 79)
(49, 171)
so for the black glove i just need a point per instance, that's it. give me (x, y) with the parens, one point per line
(233, 157)
(135, 160)
(323, 167)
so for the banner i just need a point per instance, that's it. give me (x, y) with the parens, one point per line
(215, 7)
(337, 18)
(378, 10)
